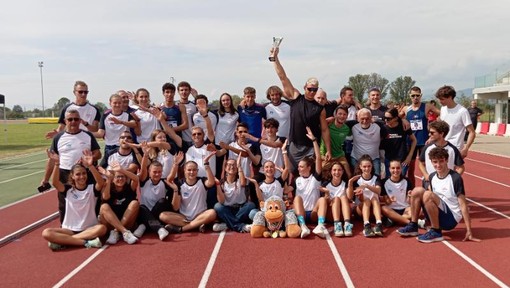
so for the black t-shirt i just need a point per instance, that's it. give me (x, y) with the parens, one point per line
(395, 142)
(304, 113)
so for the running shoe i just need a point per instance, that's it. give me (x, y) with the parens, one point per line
(113, 238)
(320, 231)
(55, 246)
(339, 232)
(348, 229)
(431, 236)
(218, 227)
(162, 233)
(367, 231)
(304, 231)
(94, 243)
(129, 238)
(173, 229)
(139, 231)
(421, 223)
(411, 229)
(378, 229)
(246, 228)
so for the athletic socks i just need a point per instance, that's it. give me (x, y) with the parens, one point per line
(301, 220)
(322, 220)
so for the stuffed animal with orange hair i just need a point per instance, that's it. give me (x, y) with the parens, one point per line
(274, 221)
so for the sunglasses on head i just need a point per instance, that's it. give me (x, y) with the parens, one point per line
(85, 92)
(312, 89)
(73, 119)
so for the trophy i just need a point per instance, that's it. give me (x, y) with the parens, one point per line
(276, 44)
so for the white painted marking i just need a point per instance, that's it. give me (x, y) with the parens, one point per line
(210, 265)
(490, 164)
(488, 208)
(20, 177)
(22, 156)
(476, 265)
(339, 262)
(487, 179)
(27, 228)
(24, 164)
(492, 154)
(79, 268)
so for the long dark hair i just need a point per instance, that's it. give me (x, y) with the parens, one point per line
(221, 110)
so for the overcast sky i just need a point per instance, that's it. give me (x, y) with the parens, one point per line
(222, 46)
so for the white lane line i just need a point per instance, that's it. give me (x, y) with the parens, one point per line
(210, 265)
(20, 177)
(24, 164)
(488, 208)
(79, 268)
(476, 265)
(486, 179)
(27, 228)
(339, 262)
(489, 164)
(492, 154)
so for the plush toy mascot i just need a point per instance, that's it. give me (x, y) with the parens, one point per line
(274, 221)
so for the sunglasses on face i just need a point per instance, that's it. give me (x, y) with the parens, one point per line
(415, 95)
(196, 134)
(312, 89)
(73, 119)
(85, 92)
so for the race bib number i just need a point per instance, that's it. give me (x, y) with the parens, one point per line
(416, 125)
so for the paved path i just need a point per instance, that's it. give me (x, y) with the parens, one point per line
(492, 144)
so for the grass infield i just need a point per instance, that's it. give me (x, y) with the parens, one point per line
(22, 138)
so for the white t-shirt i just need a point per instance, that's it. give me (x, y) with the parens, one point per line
(80, 208)
(112, 130)
(448, 190)
(152, 193)
(282, 114)
(226, 127)
(271, 154)
(191, 109)
(336, 191)
(367, 193)
(274, 188)
(308, 189)
(234, 193)
(398, 190)
(148, 123)
(193, 198)
(245, 162)
(197, 154)
(198, 120)
(366, 141)
(458, 119)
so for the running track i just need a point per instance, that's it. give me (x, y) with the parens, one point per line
(237, 260)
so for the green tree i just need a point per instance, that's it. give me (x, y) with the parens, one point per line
(376, 80)
(16, 113)
(399, 89)
(101, 107)
(358, 83)
(57, 107)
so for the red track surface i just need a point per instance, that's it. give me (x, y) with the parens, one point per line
(181, 260)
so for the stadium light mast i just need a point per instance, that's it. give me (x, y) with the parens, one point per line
(41, 65)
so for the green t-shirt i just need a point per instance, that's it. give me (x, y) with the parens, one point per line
(337, 135)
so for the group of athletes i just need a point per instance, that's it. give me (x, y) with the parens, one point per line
(176, 166)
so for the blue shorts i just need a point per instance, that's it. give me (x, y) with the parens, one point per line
(308, 216)
(446, 219)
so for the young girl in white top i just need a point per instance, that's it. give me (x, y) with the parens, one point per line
(80, 226)
(367, 187)
(338, 199)
(191, 199)
(309, 206)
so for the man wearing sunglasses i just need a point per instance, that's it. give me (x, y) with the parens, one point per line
(70, 145)
(305, 111)
(417, 115)
(125, 154)
(89, 113)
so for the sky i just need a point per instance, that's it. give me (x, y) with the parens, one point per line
(222, 46)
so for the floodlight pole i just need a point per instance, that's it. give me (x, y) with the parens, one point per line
(40, 63)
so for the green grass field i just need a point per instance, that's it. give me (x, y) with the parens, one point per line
(22, 138)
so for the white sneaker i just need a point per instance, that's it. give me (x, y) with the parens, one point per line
(304, 231)
(94, 243)
(320, 231)
(129, 237)
(139, 231)
(421, 223)
(113, 238)
(218, 227)
(246, 228)
(162, 232)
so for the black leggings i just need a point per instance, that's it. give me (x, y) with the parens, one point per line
(150, 218)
